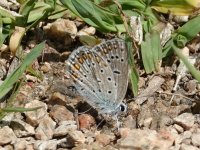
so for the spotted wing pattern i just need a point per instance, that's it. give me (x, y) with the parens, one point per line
(100, 74)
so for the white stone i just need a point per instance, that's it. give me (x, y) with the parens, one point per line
(7, 136)
(45, 129)
(76, 137)
(46, 145)
(146, 139)
(186, 120)
(21, 128)
(196, 139)
(64, 128)
(34, 117)
(188, 147)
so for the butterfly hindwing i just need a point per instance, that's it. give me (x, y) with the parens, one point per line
(100, 74)
(83, 67)
(115, 53)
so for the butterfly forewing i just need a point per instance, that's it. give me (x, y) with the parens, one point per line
(100, 74)
(83, 67)
(115, 53)
(78, 69)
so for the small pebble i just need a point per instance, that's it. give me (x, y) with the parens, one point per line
(86, 121)
(7, 136)
(185, 120)
(75, 137)
(196, 139)
(46, 67)
(45, 129)
(34, 117)
(61, 113)
(57, 99)
(103, 139)
(178, 128)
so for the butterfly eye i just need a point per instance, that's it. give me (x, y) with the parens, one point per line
(123, 107)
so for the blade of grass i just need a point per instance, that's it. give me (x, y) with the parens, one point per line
(11, 99)
(189, 66)
(1, 31)
(133, 74)
(151, 52)
(175, 7)
(96, 16)
(9, 14)
(101, 17)
(147, 55)
(190, 29)
(18, 109)
(8, 83)
(156, 49)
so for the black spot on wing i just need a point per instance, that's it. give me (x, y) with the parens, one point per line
(116, 72)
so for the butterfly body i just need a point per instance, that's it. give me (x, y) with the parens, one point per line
(100, 75)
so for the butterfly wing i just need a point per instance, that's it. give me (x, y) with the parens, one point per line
(93, 78)
(114, 52)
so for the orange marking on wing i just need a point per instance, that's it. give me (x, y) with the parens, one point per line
(80, 60)
(76, 66)
(74, 76)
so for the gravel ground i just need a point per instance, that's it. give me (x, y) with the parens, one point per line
(156, 119)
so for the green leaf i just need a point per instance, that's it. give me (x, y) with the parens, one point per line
(189, 30)
(27, 7)
(38, 12)
(180, 40)
(189, 66)
(133, 74)
(1, 32)
(175, 7)
(51, 3)
(151, 52)
(8, 14)
(34, 72)
(5, 32)
(102, 18)
(156, 49)
(183, 35)
(138, 4)
(147, 56)
(127, 5)
(95, 15)
(59, 12)
(24, 10)
(167, 49)
(8, 83)
(18, 109)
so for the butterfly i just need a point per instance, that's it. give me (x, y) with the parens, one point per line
(100, 75)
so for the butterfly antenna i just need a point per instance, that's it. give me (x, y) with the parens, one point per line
(85, 111)
(99, 123)
(76, 113)
(117, 120)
